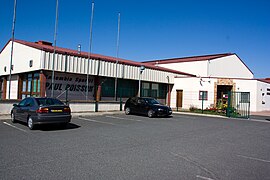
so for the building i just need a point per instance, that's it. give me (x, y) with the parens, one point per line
(216, 76)
(38, 71)
(199, 81)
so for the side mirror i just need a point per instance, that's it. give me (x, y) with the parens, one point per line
(15, 105)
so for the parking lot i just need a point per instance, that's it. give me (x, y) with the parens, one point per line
(117, 146)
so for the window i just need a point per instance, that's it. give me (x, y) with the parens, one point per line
(268, 92)
(203, 95)
(30, 85)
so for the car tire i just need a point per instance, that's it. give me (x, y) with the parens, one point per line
(150, 113)
(127, 111)
(13, 119)
(30, 123)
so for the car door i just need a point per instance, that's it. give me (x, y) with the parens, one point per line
(18, 111)
(26, 109)
(142, 109)
(134, 105)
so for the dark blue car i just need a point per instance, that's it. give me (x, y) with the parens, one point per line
(34, 111)
(146, 106)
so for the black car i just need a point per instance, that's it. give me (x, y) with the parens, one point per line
(147, 106)
(33, 111)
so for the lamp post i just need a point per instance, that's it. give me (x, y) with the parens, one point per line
(142, 68)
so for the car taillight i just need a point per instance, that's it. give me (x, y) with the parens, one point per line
(42, 110)
(67, 110)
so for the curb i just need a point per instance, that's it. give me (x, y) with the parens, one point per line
(76, 114)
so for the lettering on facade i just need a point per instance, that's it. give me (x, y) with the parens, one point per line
(69, 87)
(75, 85)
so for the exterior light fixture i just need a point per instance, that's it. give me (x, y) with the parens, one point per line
(142, 68)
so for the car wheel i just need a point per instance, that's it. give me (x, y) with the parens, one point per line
(30, 123)
(127, 111)
(150, 113)
(13, 119)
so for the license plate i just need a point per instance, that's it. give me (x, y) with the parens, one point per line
(56, 110)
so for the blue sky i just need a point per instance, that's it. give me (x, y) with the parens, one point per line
(152, 29)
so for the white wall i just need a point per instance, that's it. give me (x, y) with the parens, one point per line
(263, 95)
(229, 67)
(198, 68)
(225, 67)
(191, 88)
(21, 56)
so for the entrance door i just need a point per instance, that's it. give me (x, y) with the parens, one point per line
(179, 98)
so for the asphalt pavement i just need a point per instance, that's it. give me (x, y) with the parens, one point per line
(117, 146)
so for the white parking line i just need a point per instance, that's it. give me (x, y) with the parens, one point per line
(202, 177)
(91, 120)
(252, 158)
(15, 127)
(114, 117)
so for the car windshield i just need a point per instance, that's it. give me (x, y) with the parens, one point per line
(48, 101)
(152, 101)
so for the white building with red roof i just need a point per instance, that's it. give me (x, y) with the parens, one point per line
(34, 64)
(216, 76)
(189, 82)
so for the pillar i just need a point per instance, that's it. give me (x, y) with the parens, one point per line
(98, 88)
(42, 79)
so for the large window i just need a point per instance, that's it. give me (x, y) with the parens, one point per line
(30, 85)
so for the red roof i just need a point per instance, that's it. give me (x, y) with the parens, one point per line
(46, 46)
(193, 58)
(188, 59)
(266, 80)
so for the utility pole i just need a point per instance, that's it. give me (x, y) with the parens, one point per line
(12, 42)
(90, 50)
(117, 56)
(54, 48)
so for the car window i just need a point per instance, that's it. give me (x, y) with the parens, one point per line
(152, 101)
(23, 102)
(30, 102)
(49, 101)
(141, 101)
(133, 100)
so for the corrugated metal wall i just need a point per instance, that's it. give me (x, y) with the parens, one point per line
(74, 64)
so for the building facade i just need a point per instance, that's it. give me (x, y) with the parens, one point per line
(216, 76)
(38, 69)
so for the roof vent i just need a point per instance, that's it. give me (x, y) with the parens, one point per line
(44, 43)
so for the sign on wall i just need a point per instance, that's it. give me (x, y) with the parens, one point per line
(74, 85)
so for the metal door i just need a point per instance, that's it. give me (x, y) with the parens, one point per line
(238, 105)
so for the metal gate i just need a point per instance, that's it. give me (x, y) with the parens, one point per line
(238, 105)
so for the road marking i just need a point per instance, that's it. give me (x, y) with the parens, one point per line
(252, 158)
(195, 163)
(114, 117)
(15, 127)
(91, 120)
(202, 177)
